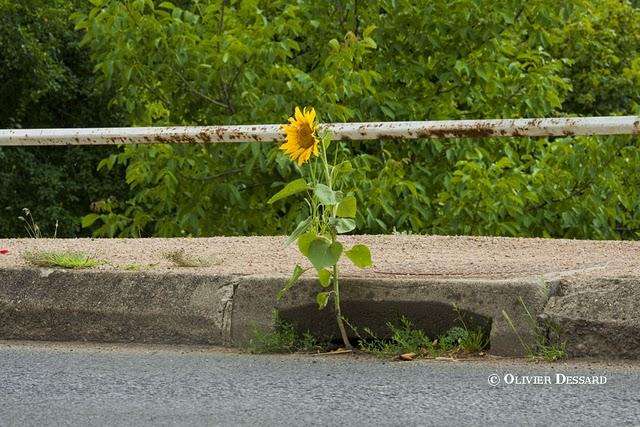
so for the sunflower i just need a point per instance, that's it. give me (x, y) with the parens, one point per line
(301, 138)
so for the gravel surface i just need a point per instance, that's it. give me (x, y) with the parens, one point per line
(394, 256)
(66, 384)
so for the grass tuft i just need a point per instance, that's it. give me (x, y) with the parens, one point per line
(30, 225)
(546, 347)
(405, 339)
(72, 260)
(282, 339)
(474, 342)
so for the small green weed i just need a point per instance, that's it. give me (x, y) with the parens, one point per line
(475, 341)
(402, 232)
(545, 348)
(405, 339)
(550, 348)
(470, 340)
(73, 260)
(282, 339)
(452, 338)
(551, 353)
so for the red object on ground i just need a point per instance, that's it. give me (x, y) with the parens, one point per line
(4, 251)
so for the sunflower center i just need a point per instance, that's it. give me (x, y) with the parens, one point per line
(305, 135)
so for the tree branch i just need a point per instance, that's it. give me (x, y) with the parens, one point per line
(196, 91)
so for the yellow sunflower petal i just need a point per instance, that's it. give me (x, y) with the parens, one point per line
(307, 155)
(299, 152)
(284, 147)
(311, 116)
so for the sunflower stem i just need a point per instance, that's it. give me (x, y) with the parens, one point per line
(312, 169)
(336, 281)
(326, 163)
(336, 299)
(314, 202)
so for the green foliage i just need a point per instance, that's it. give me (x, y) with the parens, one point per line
(41, 67)
(295, 276)
(453, 337)
(58, 184)
(290, 189)
(241, 62)
(46, 80)
(405, 338)
(605, 64)
(323, 253)
(360, 256)
(238, 62)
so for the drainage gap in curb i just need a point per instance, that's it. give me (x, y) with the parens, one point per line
(433, 318)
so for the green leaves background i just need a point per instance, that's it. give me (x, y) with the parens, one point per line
(252, 61)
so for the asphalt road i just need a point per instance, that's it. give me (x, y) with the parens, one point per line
(42, 384)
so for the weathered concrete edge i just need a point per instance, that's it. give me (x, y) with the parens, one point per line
(196, 308)
(596, 316)
(146, 307)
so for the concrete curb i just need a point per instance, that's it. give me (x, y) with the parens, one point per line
(188, 308)
(598, 314)
(172, 308)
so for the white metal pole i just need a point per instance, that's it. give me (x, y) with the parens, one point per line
(613, 125)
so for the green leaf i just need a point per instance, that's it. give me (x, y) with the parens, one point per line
(325, 277)
(347, 207)
(323, 253)
(344, 225)
(304, 241)
(344, 167)
(297, 272)
(325, 195)
(322, 299)
(89, 219)
(360, 256)
(301, 228)
(326, 139)
(167, 5)
(291, 188)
